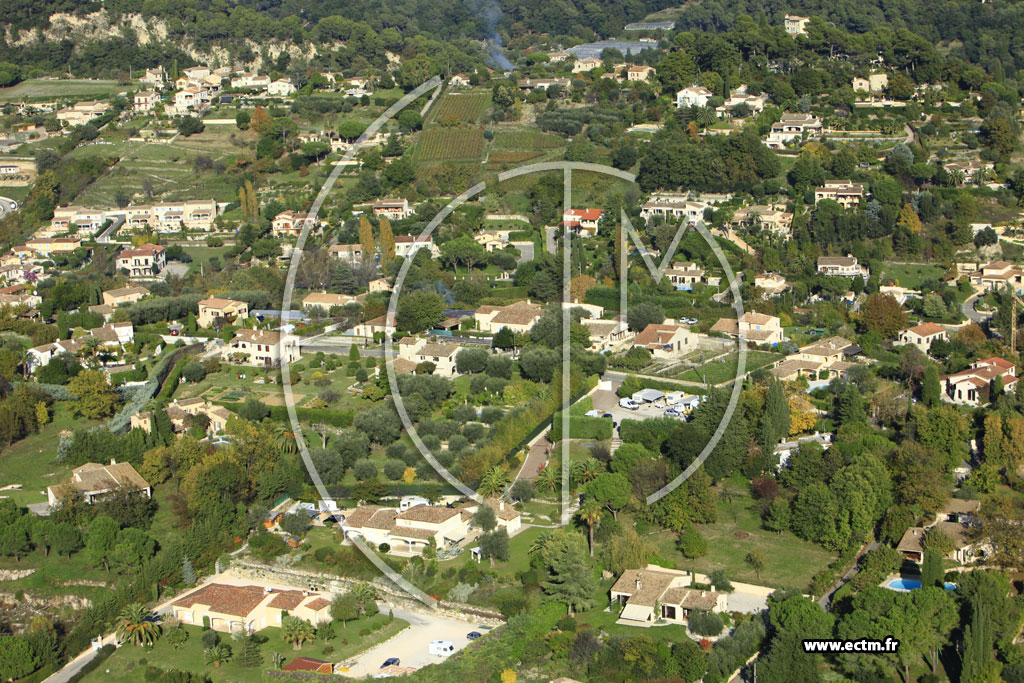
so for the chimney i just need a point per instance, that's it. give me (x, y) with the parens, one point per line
(501, 506)
(638, 583)
(113, 461)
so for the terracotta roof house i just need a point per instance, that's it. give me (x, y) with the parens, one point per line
(229, 310)
(407, 532)
(518, 317)
(309, 664)
(266, 348)
(759, 328)
(974, 385)
(247, 609)
(325, 301)
(656, 594)
(921, 336)
(93, 482)
(124, 295)
(666, 340)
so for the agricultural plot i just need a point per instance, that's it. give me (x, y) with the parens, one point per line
(40, 89)
(462, 108)
(439, 144)
(526, 139)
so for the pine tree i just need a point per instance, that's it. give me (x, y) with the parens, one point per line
(249, 654)
(188, 574)
(570, 579)
(931, 390)
(387, 240)
(366, 237)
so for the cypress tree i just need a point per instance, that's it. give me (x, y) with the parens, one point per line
(366, 237)
(931, 390)
(188, 574)
(931, 569)
(387, 240)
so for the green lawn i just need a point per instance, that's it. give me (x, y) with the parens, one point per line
(789, 561)
(129, 663)
(39, 88)
(911, 275)
(724, 370)
(31, 461)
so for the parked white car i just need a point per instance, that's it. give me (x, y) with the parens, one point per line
(442, 648)
(628, 404)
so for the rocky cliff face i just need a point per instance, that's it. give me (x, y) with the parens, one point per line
(101, 26)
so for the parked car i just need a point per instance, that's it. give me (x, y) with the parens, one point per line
(391, 661)
(672, 412)
(628, 404)
(607, 415)
(442, 648)
(473, 635)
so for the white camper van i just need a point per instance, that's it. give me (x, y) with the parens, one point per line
(442, 648)
(411, 502)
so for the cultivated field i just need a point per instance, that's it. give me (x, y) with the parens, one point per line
(438, 144)
(60, 88)
(462, 107)
(525, 138)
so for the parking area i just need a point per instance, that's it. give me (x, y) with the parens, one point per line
(608, 402)
(411, 646)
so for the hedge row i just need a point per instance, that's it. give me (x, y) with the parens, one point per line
(335, 418)
(599, 428)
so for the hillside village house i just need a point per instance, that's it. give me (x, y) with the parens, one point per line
(846, 193)
(180, 412)
(842, 266)
(349, 253)
(53, 245)
(972, 386)
(459, 81)
(771, 283)
(795, 25)
(606, 334)
(282, 87)
(693, 96)
(145, 261)
(518, 317)
(666, 340)
(659, 594)
(249, 81)
(956, 519)
(228, 311)
(640, 73)
(583, 222)
(972, 170)
(192, 100)
(154, 76)
(407, 245)
(325, 301)
(82, 112)
(144, 101)
(371, 327)
(291, 223)
(921, 336)
(492, 240)
(416, 350)
(263, 348)
(584, 65)
(792, 127)
(407, 532)
(394, 209)
(998, 274)
(165, 217)
(830, 356)
(753, 327)
(755, 103)
(684, 276)
(874, 83)
(248, 609)
(772, 218)
(84, 219)
(673, 206)
(93, 482)
(124, 295)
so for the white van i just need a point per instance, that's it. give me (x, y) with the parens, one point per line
(628, 404)
(442, 648)
(411, 502)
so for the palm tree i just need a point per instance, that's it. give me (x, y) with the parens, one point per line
(547, 479)
(590, 514)
(539, 543)
(296, 631)
(585, 470)
(365, 593)
(706, 117)
(135, 624)
(284, 438)
(218, 654)
(494, 481)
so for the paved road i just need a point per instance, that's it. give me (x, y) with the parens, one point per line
(972, 313)
(7, 205)
(411, 646)
(527, 252)
(549, 240)
(826, 600)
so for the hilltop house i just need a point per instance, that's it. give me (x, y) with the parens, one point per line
(248, 609)
(165, 217)
(792, 127)
(94, 482)
(658, 594)
(847, 194)
(640, 73)
(795, 25)
(249, 81)
(82, 218)
(666, 340)
(753, 327)
(518, 317)
(921, 336)
(998, 274)
(124, 295)
(265, 348)
(229, 311)
(416, 350)
(410, 531)
(974, 385)
(583, 222)
(843, 266)
(145, 261)
(693, 96)
(585, 65)
(531, 84)
(47, 247)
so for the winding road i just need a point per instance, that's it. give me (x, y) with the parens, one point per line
(971, 312)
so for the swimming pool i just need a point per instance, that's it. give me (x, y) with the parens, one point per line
(913, 584)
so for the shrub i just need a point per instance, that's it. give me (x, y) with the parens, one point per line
(705, 623)
(393, 469)
(364, 469)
